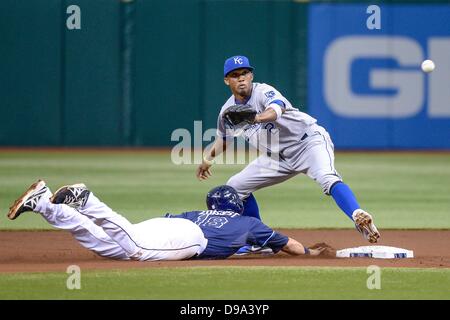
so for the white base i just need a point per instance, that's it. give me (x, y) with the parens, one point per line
(378, 252)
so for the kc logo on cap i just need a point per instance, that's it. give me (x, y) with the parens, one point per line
(237, 60)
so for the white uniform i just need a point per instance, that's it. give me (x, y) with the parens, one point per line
(299, 144)
(100, 229)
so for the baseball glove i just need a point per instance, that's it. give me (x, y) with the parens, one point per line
(240, 113)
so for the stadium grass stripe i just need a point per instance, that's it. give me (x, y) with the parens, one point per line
(235, 283)
(401, 190)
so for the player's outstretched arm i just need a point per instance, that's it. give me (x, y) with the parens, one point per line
(295, 248)
(203, 170)
(267, 116)
(272, 113)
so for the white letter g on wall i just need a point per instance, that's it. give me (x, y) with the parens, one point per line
(409, 84)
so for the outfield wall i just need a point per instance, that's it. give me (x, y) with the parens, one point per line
(137, 70)
(365, 81)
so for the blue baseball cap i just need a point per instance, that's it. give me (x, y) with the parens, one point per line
(236, 62)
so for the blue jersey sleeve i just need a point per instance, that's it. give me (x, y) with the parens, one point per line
(228, 231)
(264, 236)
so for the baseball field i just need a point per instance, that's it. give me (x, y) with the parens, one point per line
(407, 193)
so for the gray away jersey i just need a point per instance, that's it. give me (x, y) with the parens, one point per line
(270, 136)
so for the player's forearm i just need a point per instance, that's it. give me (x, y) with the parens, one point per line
(267, 116)
(272, 113)
(217, 148)
(294, 247)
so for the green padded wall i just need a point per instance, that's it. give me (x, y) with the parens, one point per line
(30, 72)
(136, 70)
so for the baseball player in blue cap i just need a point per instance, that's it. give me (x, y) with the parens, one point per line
(302, 146)
(216, 233)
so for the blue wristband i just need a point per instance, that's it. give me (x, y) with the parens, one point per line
(306, 250)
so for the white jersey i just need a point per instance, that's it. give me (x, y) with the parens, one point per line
(273, 136)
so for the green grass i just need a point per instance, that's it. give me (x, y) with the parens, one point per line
(233, 283)
(401, 190)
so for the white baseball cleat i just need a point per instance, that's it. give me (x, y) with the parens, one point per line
(364, 224)
(29, 199)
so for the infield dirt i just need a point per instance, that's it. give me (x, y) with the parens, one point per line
(41, 251)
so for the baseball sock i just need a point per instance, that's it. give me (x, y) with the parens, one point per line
(344, 198)
(251, 207)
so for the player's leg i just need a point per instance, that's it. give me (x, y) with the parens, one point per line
(155, 242)
(251, 208)
(262, 172)
(115, 226)
(318, 163)
(344, 198)
(153, 239)
(84, 230)
(89, 235)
